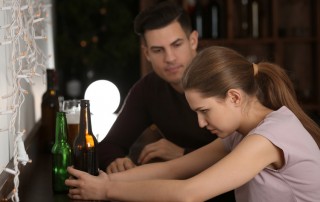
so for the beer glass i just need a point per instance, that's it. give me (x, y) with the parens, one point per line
(72, 110)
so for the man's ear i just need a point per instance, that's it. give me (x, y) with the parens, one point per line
(145, 51)
(193, 38)
(234, 96)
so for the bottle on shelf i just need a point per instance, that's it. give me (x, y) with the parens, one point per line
(61, 155)
(249, 19)
(215, 20)
(49, 108)
(197, 19)
(85, 144)
(206, 19)
(255, 18)
(244, 19)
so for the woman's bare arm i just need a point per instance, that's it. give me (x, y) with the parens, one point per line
(252, 155)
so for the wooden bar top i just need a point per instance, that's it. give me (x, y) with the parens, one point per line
(35, 183)
(36, 179)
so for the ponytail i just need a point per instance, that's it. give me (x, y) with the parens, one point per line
(276, 90)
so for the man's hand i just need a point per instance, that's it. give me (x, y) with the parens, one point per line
(119, 165)
(162, 149)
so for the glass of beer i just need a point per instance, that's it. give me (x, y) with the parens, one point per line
(72, 110)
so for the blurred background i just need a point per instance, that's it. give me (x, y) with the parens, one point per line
(94, 39)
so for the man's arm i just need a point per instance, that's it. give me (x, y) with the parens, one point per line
(162, 149)
(151, 146)
(131, 121)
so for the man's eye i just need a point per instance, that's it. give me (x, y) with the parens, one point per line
(156, 50)
(177, 44)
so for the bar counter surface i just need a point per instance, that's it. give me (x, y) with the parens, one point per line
(36, 179)
(36, 186)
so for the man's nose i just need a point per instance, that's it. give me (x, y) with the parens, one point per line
(170, 56)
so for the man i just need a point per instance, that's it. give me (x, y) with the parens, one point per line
(169, 44)
(158, 97)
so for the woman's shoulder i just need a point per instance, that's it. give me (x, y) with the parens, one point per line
(281, 119)
(284, 130)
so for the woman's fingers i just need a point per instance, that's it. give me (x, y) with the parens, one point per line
(74, 172)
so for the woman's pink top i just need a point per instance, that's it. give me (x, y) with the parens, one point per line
(299, 178)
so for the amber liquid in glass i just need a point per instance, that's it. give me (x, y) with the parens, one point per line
(73, 131)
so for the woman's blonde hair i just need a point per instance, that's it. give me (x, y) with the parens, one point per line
(216, 69)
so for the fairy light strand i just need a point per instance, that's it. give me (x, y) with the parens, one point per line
(25, 22)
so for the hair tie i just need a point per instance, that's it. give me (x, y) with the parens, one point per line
(255, 69)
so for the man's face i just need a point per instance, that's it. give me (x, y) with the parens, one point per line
(170, 51)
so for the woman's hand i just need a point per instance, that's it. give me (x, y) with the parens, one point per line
(87, 187)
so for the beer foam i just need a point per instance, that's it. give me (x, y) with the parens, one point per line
(73, 118)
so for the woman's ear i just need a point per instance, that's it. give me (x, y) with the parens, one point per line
(234, 96)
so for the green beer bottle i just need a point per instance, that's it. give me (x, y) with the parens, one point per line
(61, 155)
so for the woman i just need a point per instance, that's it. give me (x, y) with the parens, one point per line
(267, 150)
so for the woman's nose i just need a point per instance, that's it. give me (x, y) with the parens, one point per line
(202, 122)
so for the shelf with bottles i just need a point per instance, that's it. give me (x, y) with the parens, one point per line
(257, 19)
(231, 19)
(251, 19)
(246, 19)
(238, 20)
(207, 17)
(297, 18)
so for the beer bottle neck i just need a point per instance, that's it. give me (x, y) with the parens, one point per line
(85, 132)
(61, 127)
(85, 121)
(50, 80)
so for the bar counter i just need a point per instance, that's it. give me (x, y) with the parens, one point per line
(36, 180)
(35, 183)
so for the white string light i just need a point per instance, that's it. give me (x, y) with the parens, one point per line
(25, 23)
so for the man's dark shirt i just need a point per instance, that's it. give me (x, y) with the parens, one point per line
(153, 101)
